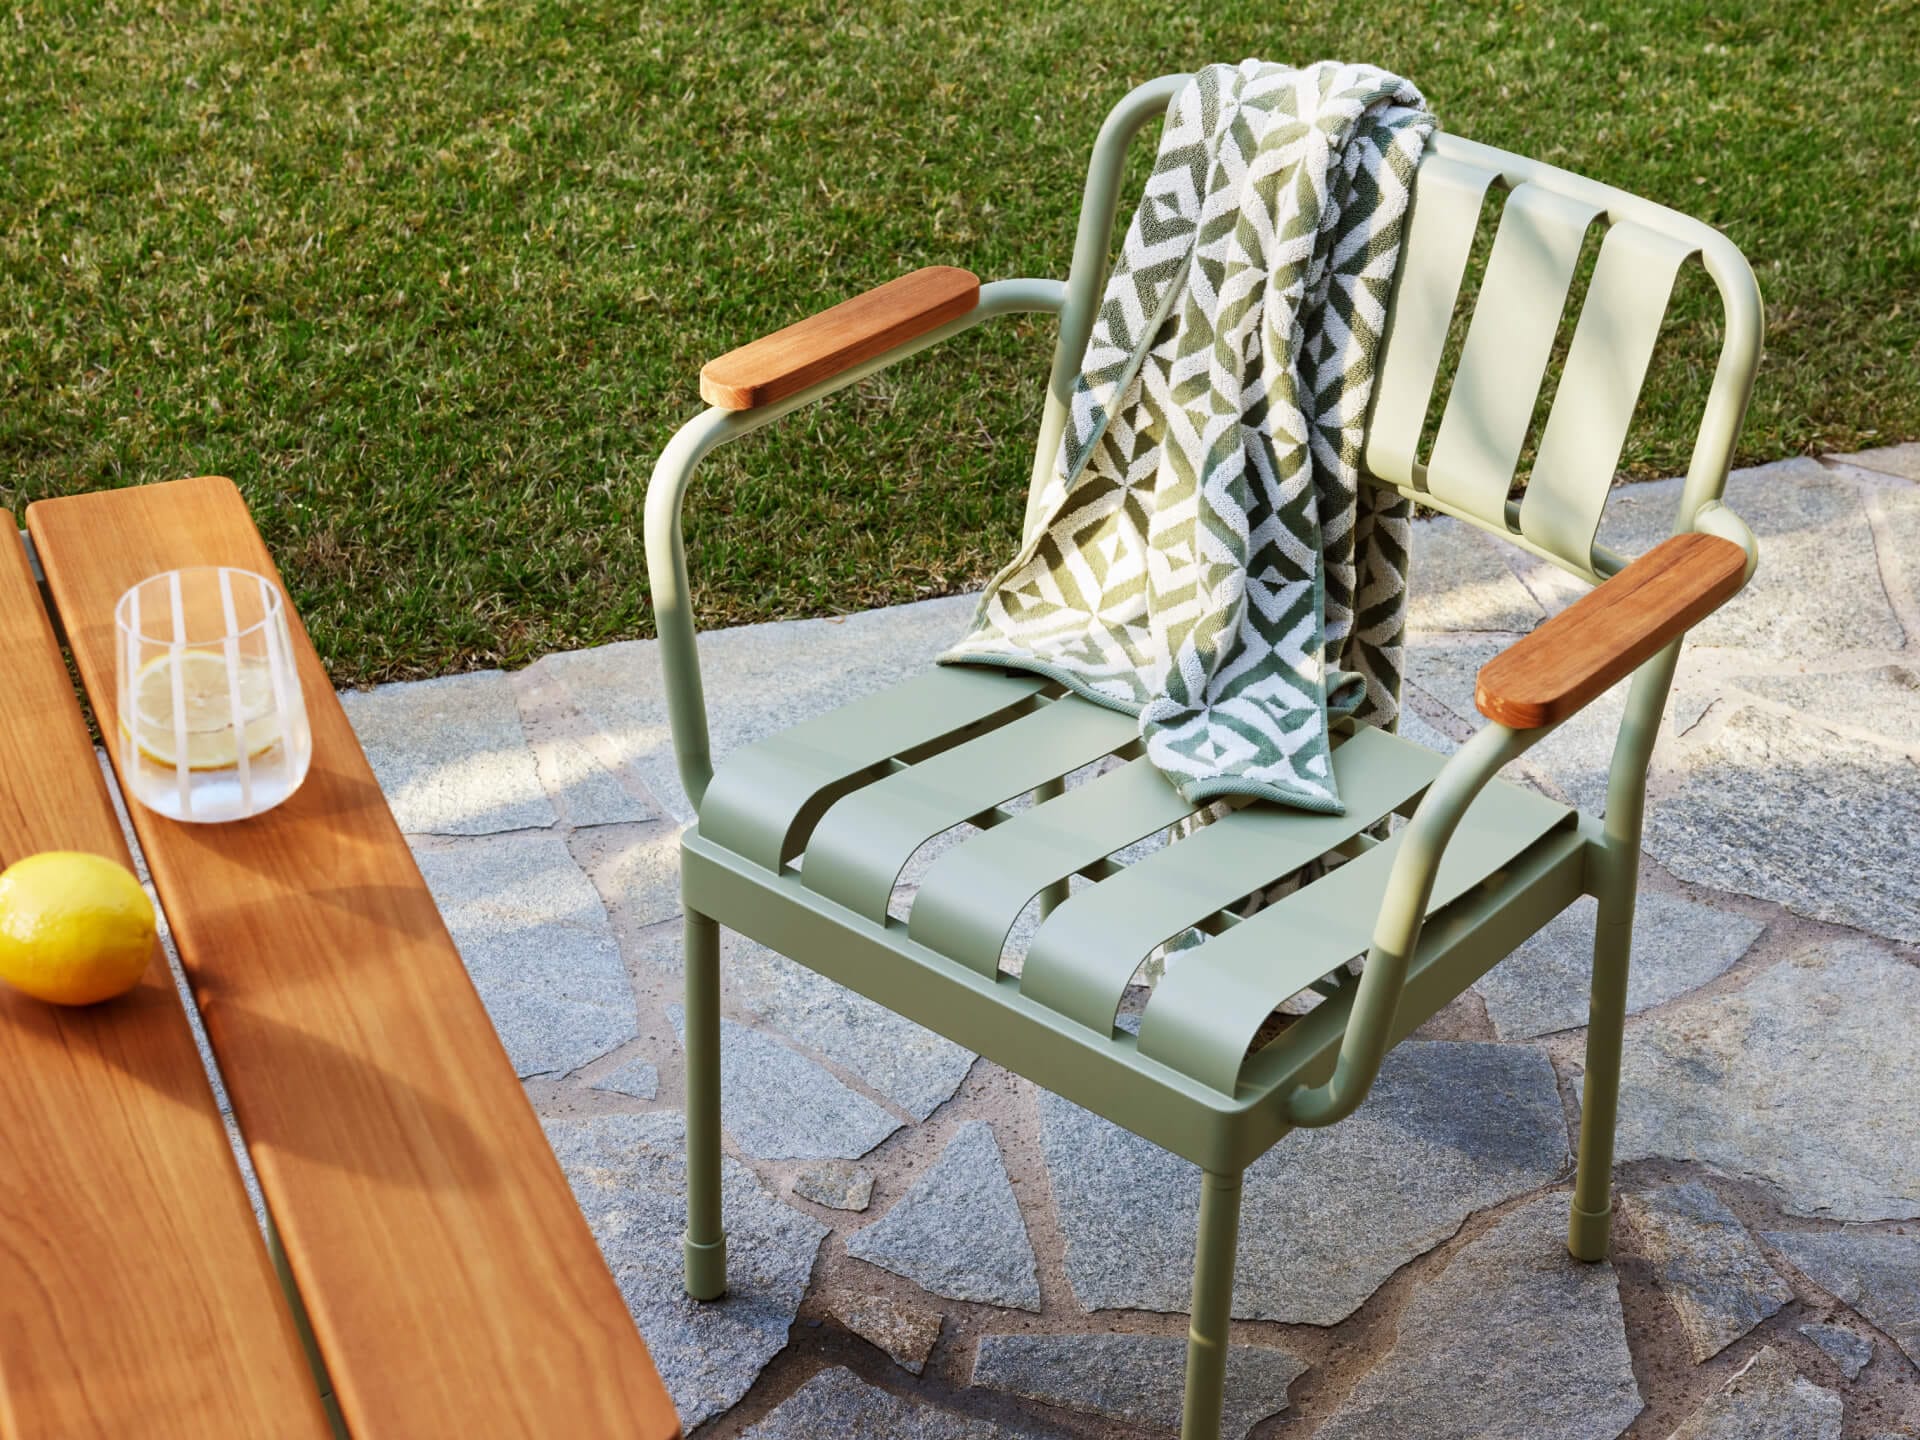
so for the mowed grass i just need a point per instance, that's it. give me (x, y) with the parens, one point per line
(432, 280)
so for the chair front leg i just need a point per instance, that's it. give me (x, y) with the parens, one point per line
(1215, 1249)
(1592, 1214)
(705, 1242)
(1618, 859)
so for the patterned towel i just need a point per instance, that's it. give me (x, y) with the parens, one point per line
(1206, 556)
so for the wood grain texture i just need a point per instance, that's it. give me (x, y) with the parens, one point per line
(452, 1282)
(821, 346)
(1609, 631)
(136, 1297)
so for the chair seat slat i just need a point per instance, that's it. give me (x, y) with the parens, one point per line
(1205, 1013)
(1087, 950)
(865, 839)
(762, 794)
(973, 894)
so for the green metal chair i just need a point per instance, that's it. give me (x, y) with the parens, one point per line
(801, 838)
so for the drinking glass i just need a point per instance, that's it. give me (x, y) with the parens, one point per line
(212, 726)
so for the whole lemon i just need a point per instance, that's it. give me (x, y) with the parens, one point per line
(74, 928)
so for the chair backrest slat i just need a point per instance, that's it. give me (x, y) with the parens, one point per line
(1484, 427)
(1439, 240)
(1488, 410)
(1599, 387)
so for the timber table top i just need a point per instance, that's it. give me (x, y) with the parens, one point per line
(136, 1295)
(452, 1284)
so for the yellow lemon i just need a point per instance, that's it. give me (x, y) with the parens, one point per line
(208, 689)
(74, 928)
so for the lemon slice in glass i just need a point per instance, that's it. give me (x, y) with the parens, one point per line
(208, 692)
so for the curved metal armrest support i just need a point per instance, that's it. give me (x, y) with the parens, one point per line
(666, 549)
(1714, 518)
(1409, 888)
(1403, 910)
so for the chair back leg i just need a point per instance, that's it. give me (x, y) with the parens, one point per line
(1215, 1249)
(705, 1242)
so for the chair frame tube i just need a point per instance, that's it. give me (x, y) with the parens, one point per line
(666, 551)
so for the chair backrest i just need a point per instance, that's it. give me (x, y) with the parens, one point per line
(1545, 216)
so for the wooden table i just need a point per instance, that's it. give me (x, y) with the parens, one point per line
(452, 1285)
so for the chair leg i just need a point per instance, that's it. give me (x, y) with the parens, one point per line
(1592, 1213)
(705, 1242)
(1214, 1252)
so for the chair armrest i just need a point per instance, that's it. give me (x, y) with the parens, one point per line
(1610, 631)
(821, 346)
(666, 551)
(1525, 692)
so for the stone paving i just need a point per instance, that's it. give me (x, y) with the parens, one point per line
(925, 1246)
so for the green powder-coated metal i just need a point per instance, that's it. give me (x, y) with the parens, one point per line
(864, 841)
(1215, 1242)
(802, 838)
(706, 1241)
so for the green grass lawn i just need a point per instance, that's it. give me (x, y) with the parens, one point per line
(432, 280)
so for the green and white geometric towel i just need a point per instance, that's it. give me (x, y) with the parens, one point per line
(1206, 556)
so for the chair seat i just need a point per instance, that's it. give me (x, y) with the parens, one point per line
(813, 829)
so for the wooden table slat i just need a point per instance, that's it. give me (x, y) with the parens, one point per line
(136, 1296)
(453, 1284)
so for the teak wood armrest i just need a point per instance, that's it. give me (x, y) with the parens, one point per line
(821, 346)
(1606, 633)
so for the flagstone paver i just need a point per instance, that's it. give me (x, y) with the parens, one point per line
(450, 755)
(1884, 700)
(578, 768)
(1452, 1375)
(636, 869)
(1421, 731)
(1901, 509)
(536, 941)
(909, 1064)
(1767, 1398)
(1818, 592)
(1137, 1378)
(835, 1184)
(779, 1105)
(1877, 1274)
(1902, 461)
(629, 1174)
(906, 1332)
(1797, 1079)
(1678, 946)
(839, 1403)
(1326, 1215)
(1711, 1270)
(1851, 1351)
(1786, 773)
(1458, 580)
(958, 1232)
(1838, 815)
(637, 1078)
(1573, 759)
